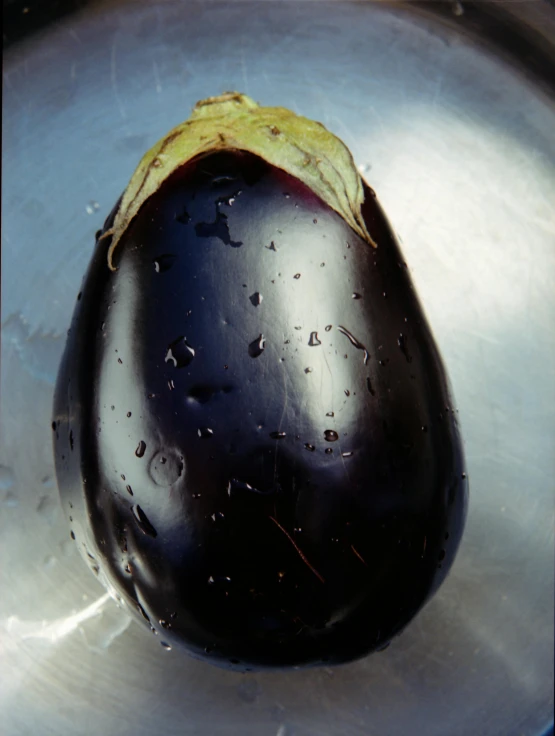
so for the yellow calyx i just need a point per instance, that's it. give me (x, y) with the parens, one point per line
(295, 144)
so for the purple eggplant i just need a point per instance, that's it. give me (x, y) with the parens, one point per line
(255, 440)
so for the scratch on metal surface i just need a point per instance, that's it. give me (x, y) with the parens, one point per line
(74, 35)
(339, 124)
(437, 91)
(244, 71)
(156, 76)
(480, 335)
(113, 77)
(378, 118)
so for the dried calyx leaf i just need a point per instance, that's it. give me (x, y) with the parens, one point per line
(297, 145)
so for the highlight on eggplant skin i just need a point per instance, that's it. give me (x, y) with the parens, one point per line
(255, 441)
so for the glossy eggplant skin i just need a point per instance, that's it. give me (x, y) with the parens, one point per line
(255, 441)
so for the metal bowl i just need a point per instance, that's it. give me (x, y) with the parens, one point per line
(450, 112)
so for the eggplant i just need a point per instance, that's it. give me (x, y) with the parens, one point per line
(254, 435)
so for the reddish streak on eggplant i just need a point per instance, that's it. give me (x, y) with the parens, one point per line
(299, 552)
(360, 557)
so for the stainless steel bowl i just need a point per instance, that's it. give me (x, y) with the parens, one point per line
(449, 109)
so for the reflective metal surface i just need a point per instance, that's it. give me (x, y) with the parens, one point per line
(459, 144)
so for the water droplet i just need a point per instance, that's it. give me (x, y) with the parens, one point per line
(314, 340)
(235, 486)
(217, 229)
(458, 9)
(164, 262)
(72, 534)
(424, 428)
(183, 217)
(128, 414)
(256, 347)
(347, 392)
(229, 199)
(369, 386)
(180, 353)
(166, 467)
(272, 246)
(309, 447)
(143, 613)
(255, 299)
(463, 476)
(328, 451)
(165, 646)
(298, 327)
(278, 435)
(129, 490)
(402, 342)
(346, 454)
(322, 264)
(79, 295)
(143, 522)
(308, 370)
(356, 295)
(297, 276)
(330, 435)
(141, 447)
(92, 207)
(328, 328)
(330, 414)
(352, 339)
(315, 221)
(205, 432)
